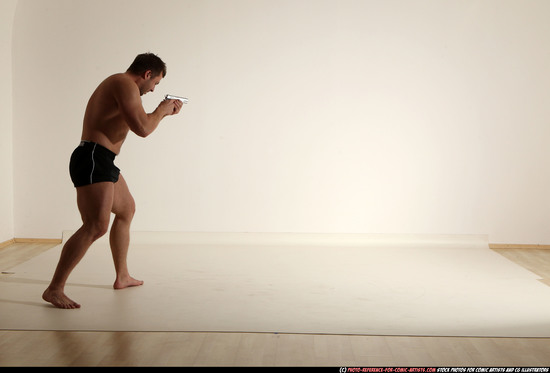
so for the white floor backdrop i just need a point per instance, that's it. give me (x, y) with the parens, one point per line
(452, 286)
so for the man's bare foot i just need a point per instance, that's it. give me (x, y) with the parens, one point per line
(59, 299)
(126, 282)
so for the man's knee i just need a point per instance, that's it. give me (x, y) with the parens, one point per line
(97, 229)
(132, 208)
(100, 229)
(128, 211)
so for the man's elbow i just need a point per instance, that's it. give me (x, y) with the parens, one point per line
(141, 131)
(143, 134)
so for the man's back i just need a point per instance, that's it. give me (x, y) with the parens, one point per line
(103, 120)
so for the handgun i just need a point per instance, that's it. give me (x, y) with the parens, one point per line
(172, 97)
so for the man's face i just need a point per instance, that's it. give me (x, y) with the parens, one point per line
(149, 83)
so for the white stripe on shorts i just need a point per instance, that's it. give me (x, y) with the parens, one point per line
(93, 164)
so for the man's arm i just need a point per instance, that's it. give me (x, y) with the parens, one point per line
(129, 102)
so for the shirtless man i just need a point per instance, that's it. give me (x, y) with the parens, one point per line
(113, 110)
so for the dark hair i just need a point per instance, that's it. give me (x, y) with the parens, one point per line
(148, 61)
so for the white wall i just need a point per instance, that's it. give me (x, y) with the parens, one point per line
(7, 12)
(355, 116)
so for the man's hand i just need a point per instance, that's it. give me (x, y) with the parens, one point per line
(170, 107)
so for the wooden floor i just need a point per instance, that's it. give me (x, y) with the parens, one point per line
(51, 348)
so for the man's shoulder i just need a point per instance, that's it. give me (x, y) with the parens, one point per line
(119, 78)
(119, 83)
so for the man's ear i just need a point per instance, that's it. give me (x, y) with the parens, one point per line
(147, 75)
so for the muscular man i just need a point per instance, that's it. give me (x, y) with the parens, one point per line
(113, 110)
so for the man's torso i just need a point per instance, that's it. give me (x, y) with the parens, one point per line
(103, 121)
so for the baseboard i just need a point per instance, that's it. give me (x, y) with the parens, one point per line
(7, 243)
(30, 240)
(37, 240)
(296, 239)
(497, 246)
(289, 238)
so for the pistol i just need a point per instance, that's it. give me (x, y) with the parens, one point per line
(172, 97)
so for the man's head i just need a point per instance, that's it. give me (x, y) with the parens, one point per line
(150, 68)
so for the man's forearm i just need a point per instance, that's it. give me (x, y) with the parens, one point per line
(153, 120)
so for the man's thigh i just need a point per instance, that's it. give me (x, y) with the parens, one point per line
(123, 203)
(95, 202)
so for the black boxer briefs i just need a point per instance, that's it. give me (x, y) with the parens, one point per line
(92, 163)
